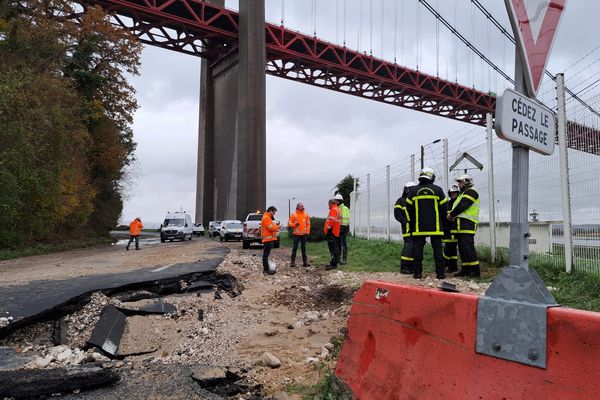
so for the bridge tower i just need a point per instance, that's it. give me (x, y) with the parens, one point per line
(231, 178)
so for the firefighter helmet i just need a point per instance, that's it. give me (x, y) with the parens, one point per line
(466, 179)
(454, 188)
(427, 173)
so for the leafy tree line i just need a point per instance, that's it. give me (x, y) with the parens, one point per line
(65, 115)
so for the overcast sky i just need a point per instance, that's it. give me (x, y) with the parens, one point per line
(304, 123)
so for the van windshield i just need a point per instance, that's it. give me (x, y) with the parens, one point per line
(234, 225)
(174, 222)
(255, 217)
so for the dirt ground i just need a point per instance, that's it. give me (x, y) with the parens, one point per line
(295, 315)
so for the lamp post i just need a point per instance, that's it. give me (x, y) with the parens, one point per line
(290, 206)
(423, 151)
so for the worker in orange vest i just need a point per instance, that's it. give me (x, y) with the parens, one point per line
(135, 229)
(332, 233)
(269, 230)
(300, 223)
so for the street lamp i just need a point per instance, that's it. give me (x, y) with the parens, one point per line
(290, 206)
(423, 151)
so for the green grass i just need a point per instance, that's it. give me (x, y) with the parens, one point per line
(47, 248)
(326, 388)
(577, 289)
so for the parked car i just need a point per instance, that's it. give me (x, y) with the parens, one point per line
(198, 229)
(251, 230)
(177, 225)
(213, 228)
(231, 230)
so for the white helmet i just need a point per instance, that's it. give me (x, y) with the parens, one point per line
(466, 179)
(427, 173)
(410, 184)
(454, 188)
(338, 197)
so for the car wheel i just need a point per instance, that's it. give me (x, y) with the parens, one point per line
(220, 238)
(191, 234)
(245, 244)
(162, 239)
(170, 240)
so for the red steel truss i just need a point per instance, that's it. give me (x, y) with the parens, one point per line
(194, 27)
(203, 29)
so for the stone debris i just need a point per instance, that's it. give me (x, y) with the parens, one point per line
(269, 360)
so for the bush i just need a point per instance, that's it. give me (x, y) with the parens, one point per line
(316, 229)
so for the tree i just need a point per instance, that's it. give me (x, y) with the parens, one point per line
(345, 187)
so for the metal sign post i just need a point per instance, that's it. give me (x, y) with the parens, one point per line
(512, 316)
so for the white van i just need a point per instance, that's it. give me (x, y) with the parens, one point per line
(177, 225)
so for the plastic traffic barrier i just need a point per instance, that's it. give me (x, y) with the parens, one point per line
(406, 342)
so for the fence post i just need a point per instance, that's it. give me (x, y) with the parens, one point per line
(491, 199)
(387, 202)
(446, 178)
(412, 167)
(354, 208)
(564, 170)
(368, 206)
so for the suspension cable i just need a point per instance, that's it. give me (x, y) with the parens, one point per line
(282, 12)
(395, 30)
(465, 40)
(382, 25)
(371, 26)
(437, 40)
(345, 6)
(512, 39)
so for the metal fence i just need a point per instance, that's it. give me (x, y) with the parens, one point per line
(372, 211)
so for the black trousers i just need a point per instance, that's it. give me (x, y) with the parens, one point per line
(343, 234)
(137, 241)
(333, 242)
(265, 257)
(450, 255)
(466, 248)
(407, 259)
(302, 240)
(436, 244)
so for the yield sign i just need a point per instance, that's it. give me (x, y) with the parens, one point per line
(534, 24)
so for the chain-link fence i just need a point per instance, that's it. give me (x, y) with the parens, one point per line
(378, 191)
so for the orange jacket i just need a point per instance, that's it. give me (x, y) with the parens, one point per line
(135, 227)
(268, 229)
(334, 220)
(303, 220)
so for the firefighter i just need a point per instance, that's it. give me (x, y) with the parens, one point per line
(401, 214)
(465, 218)
(449, 240)
(344, 228)
(332, 233)
(427, 205)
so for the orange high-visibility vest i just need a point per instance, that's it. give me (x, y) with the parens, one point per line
(268, 229)
(333, 220)
(303, 219)
(135, 227)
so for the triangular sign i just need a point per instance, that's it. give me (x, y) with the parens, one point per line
(534, 24)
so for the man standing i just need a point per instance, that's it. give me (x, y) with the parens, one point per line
(401, 214)
(332, 233)
(427, 202)
(465, 218)
(449, 240)
(300, 223)
(135, 230)
(344, 228)
(268, 233)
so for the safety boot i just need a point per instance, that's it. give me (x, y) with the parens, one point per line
(305, 261)
(452, 269)
(475, 272)
(293, 262)
(464, 271)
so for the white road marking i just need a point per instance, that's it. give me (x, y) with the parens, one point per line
(162, 268)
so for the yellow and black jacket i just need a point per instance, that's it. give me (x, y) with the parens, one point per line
(427, 209)
(448, 236)
(465, 212)
(401, 214)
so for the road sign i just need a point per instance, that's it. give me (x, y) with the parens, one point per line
(522, 120)
(534, 24)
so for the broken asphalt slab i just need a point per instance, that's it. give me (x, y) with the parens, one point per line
(38, 299)
(10, 359)
(27, 384)
(109, 329)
